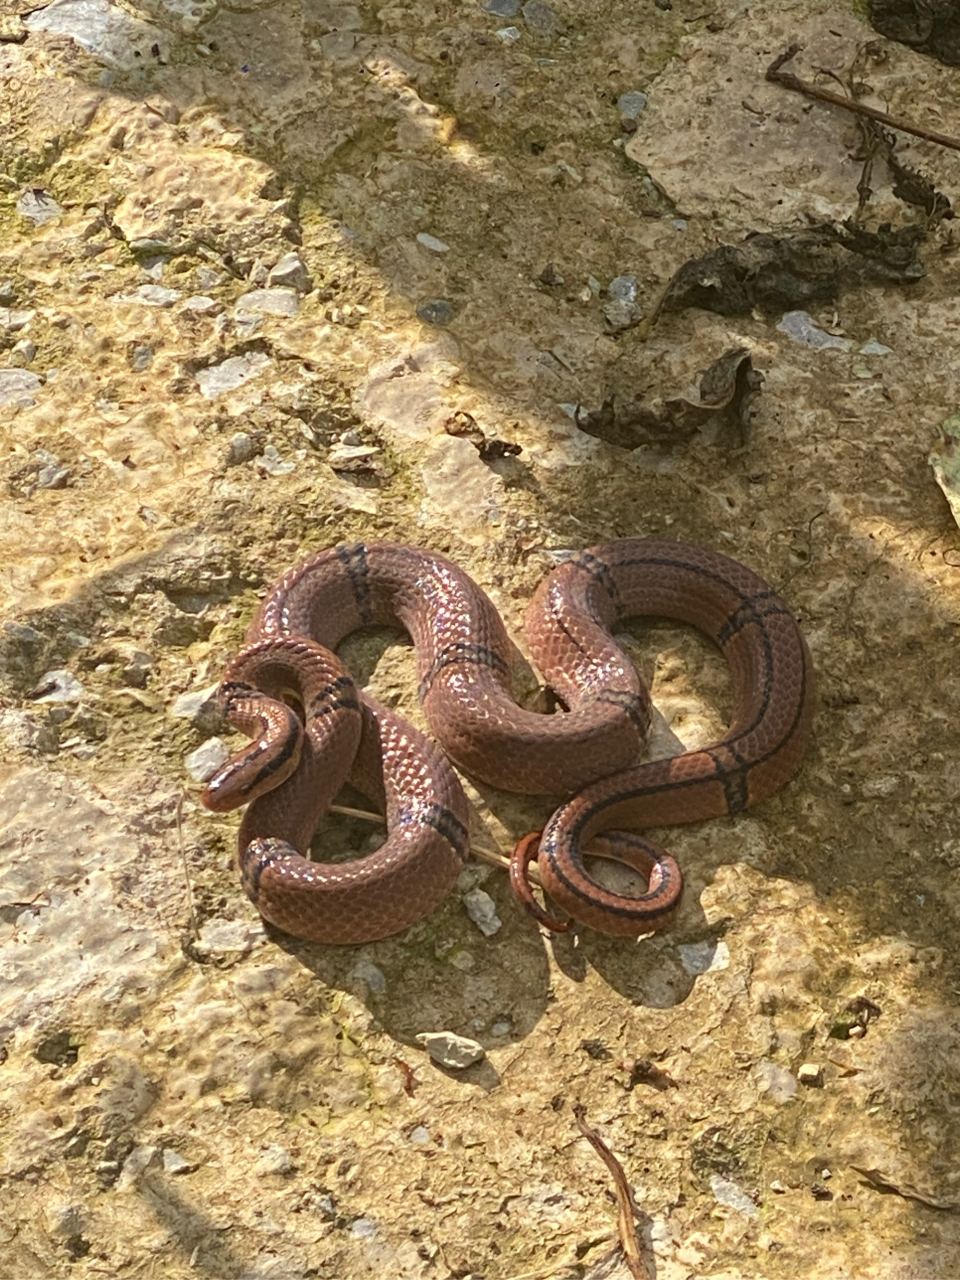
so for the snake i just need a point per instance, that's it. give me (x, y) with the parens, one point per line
(312, 730)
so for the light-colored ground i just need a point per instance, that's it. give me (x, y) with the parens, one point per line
(181, 1095)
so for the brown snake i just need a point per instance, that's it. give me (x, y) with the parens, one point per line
(293, 769)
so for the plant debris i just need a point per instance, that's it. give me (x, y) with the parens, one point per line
(728, 389)
(789, 272)
(626, 1224)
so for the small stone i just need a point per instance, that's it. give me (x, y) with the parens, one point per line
(431, 242)
(136, 669)
(231, 373)
(39, 207)
(811, 1075)
(420, 1135)
(12, 319)
(482, 911)
(199, 302)
(149, 295)
(541, 18)
(368, 973)
(271, 302)
(16, 386)
(275, 1159)
(241, 449)
(619, 315)
(503, 8)
(437, 311)
(874, 348)
(141, 358)
(509, 35)
(291, 273)
(203, 763)
(218, 937)
(362, 1229)
(58, 686)
(271, 462)
(502, 1028)
(732, 1196)
(195, 705)
(624, 288)
(137, 1162)
(777, 1186)
(23, 353)
(631, 104)
(343, 456)
(174, 1163)
(801, 327)
(8, 293)
(450, 1050)
(550, 276)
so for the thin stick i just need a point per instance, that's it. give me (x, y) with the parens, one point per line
(790, 81)
(629, 1240)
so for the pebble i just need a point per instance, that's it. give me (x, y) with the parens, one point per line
(272, 463)
(620, 314)
(482, 911)
(13, 320)
(291, 273)
(191, 706)
(174, 1163)
(199, 302)
(801, 327)
(631, 104)
(231, 373)
(541, 18)
(367, 972)
(142, 357)
(503, 8)
(149, 295)
(271, 302)
(23, 353)
(623, 288)
(437, 311)
(811, 1075)
(228, 937)
(58, 686)
(509, 35)
(341, 455)
(362, 1229)
(874, 348)
(456, 1052)
(275, 1159)
(204, 762)
(241, 449)
(420, 1135)
(37, 206)
(137, 1162)
(431, 242)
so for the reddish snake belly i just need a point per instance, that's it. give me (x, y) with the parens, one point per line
(292, 770)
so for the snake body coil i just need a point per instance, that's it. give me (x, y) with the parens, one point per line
(463, 661)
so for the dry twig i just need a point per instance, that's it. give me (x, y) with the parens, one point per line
(790, 81)
(626, 1224)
